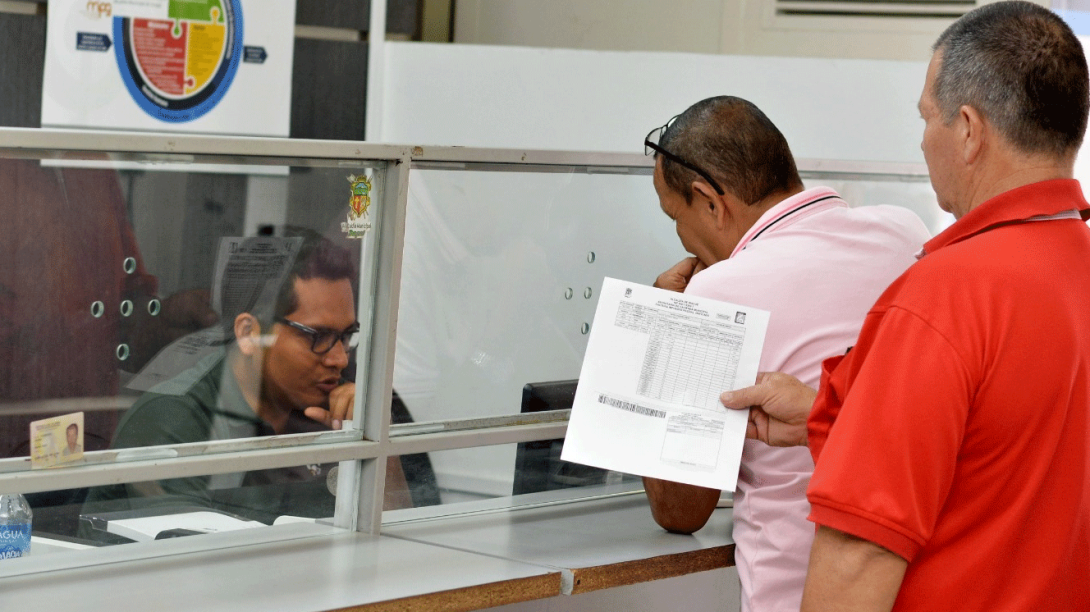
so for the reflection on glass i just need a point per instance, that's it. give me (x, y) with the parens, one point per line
(74, 524)
(536, 475)
(416, 485)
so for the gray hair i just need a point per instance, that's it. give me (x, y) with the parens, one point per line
(731, 139)
(1023, 69)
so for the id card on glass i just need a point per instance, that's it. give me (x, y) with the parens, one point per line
(56, 441)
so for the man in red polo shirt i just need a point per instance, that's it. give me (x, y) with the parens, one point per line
(952, 443)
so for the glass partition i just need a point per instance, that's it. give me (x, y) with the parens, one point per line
(502, 263)
(499, 282)
(209, 323)
(176, 312)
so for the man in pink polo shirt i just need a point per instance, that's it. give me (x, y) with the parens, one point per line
(727, 178)
(953, 441)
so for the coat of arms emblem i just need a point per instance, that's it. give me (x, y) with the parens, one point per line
(358, 223)
(361, 195)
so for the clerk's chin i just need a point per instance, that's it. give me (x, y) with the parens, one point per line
(320, 400)
(309, 398)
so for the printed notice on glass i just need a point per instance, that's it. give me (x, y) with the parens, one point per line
(253, 268)
(648, 396)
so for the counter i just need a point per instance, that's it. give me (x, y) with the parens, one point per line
(455, 563)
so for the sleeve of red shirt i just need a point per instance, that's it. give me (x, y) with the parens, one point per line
(885, 469)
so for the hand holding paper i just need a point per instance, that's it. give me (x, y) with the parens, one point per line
(778, 406)
(648, 395)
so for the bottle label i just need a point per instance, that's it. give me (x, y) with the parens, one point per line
(14, 541)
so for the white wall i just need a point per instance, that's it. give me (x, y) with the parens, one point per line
(490, 96)
(647, 25)
(749, 27)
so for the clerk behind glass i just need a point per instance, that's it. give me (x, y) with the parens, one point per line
(280, 374)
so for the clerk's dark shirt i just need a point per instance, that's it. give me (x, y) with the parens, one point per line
(205, 403)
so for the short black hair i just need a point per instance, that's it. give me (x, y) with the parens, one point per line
(733, 141)
(318, 257)
(1023, 69)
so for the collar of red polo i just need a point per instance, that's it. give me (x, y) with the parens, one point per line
(798, 206)
(1053, 197)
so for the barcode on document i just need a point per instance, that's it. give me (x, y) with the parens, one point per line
(629, 406)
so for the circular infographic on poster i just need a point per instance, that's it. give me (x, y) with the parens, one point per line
(177, 69)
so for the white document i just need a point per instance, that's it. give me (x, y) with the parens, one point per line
(146, 528)
(648, 395)
(257, 266)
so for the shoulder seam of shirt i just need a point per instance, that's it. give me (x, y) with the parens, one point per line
(881, 521)
(922, 319)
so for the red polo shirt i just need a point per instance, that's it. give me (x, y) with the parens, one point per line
(956, 431)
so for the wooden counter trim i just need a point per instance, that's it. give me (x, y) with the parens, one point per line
(470, 598)
(589, 579)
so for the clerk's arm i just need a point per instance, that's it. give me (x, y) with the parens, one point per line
(340, 409)
(850, 574)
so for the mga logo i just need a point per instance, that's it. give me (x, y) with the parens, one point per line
(99, 9)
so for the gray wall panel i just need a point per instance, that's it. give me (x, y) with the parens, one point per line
(22, 47)
(402, 16)
(329, 84)
(353, 14)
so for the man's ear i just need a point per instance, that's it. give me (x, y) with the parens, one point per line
(715, 205)
(971, 126)
(248, 334)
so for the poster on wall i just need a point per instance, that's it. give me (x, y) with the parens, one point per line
(195, 66)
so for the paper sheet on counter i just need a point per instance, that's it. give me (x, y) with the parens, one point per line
(648, 396)
(147, 528)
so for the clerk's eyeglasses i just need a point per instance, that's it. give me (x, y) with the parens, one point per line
(651, 145)
(323, 340)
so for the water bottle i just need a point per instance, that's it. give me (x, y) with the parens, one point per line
(15, 519)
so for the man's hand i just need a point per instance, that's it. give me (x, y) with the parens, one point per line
(677, 278)
(778, 408)
(341, 400)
